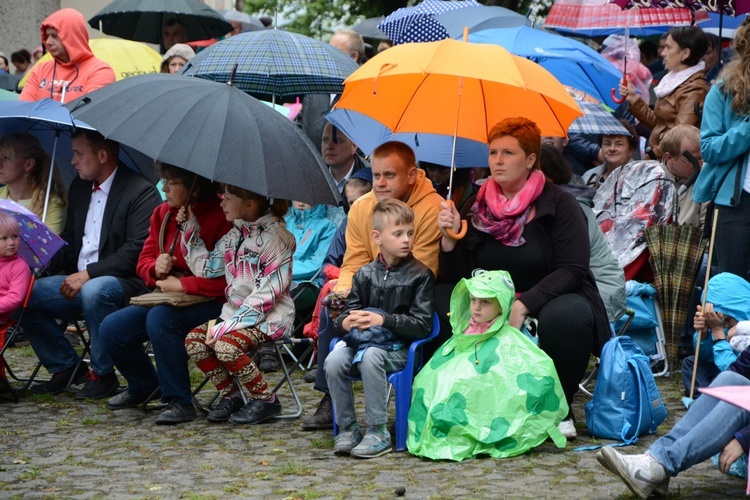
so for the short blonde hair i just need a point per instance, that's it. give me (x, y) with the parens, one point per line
(393, 211)
(8, 224)
(672, 141)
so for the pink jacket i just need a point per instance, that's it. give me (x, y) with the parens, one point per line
(14, 283)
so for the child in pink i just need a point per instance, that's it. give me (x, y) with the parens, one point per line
(14, 272)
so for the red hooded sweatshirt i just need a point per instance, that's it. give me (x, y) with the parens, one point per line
(81, 75)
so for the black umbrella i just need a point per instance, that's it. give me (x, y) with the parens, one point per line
(143, 20)
(211, 129)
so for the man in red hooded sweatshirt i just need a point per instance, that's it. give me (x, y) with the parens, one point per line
(73, 65)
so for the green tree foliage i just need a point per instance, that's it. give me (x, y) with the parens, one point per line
(320, 18)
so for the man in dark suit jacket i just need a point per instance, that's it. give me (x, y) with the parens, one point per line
(106, 226)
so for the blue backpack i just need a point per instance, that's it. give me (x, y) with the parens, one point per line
(626, 402)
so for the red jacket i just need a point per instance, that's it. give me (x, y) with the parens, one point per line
(82, 74)
(213, 224)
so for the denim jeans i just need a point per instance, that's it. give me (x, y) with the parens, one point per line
(733, 238)
(375, 364)
(97, 298)
(125, 331)
(707, 427)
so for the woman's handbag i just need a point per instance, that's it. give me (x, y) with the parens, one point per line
(174, 299)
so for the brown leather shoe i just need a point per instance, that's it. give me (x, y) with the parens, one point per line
(323, 417)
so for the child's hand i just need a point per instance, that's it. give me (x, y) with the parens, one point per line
(729, 454)
(714, 321)
(699, 322)
(732, 332)
(181, 217)
(518, 313)
(363, 320)
(210, 339)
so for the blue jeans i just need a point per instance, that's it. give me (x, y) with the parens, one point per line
(375, 364)
(97, 298)
(707, 427)
(125, 331)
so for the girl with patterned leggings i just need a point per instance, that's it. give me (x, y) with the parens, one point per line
(255, 257)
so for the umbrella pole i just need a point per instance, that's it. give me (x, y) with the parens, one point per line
(462, 231)
(705, 296)
(49, 179)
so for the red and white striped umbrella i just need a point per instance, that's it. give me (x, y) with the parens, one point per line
(598, 14)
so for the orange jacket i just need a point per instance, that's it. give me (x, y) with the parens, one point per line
(81, 75)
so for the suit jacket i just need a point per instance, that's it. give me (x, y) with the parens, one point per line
(130, 203)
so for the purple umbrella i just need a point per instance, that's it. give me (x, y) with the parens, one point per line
(38, 243)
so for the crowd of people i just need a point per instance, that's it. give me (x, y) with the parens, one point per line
(555, 227)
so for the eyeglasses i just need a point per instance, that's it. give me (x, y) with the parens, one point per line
(169, 183)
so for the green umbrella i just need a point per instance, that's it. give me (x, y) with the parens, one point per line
(7, 95)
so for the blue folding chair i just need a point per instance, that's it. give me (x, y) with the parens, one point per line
(401, 382)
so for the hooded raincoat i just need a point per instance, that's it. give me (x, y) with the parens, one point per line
(83, 73)
(494, 393)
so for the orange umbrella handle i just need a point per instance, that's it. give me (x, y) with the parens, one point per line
(461, 233)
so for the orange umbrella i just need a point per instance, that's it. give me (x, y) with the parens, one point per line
(457, 88)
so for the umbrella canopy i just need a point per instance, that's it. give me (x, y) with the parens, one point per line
(728, 24)
(143, 20)
(725, 7)
(597, 16)
(368, 133)
(38, 242)
(369, 28)
(274, 62)
(52, 125)
(213, 130)
(480, 18)
(457, 88)
(127, 58)
(596, 119)
(675, 254)
(418, 24)
(573, 63)
(248, 22)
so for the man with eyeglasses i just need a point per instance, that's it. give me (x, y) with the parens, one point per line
(105, 228)
(674, 144)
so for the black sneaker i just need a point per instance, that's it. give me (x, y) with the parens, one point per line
(224, 409)
(127, 400)
(99, 386)
(267, 360)
(176, 413)
(256, 411)
(59, 381)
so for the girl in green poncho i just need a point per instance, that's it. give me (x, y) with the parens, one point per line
(489, 390)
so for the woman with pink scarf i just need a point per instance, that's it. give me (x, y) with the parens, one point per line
(679, 91)
(536, 231)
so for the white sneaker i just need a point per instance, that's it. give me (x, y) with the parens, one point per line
(641, 473)
(568, 429)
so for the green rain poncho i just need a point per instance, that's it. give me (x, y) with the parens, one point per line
(494, 393)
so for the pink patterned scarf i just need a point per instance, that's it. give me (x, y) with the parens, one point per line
(492, 213)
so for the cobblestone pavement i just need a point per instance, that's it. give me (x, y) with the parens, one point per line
(55, 447)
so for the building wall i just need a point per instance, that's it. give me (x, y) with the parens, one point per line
(21, 20)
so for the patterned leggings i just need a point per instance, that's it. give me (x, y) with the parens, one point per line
(228, 358)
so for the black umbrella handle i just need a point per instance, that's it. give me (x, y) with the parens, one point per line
(231, 77)
(179, 228)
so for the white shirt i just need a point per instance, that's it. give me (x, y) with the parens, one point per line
(340, 184)
(92, 231)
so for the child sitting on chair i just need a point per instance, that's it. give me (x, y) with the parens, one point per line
(14, 272)
(255, 257)
(390, 304)
(14, 279)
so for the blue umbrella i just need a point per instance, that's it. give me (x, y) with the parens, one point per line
(368, 133)
(479, 19)
(573, 63)
(418, 24)
(729, 25)
(50, 122)
(597, 32)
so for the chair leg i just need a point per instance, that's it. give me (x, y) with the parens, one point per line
(85, 352)
(402, 389)
(288, 379)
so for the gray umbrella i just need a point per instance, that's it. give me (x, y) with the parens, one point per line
(211, 129)
(142, 20)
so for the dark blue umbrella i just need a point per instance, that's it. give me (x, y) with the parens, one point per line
(51, 123)
(480, 18)
(418, 23)
(213, 130)
(369, 28)
(368, 133)
(573, 63)
(274, 62)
